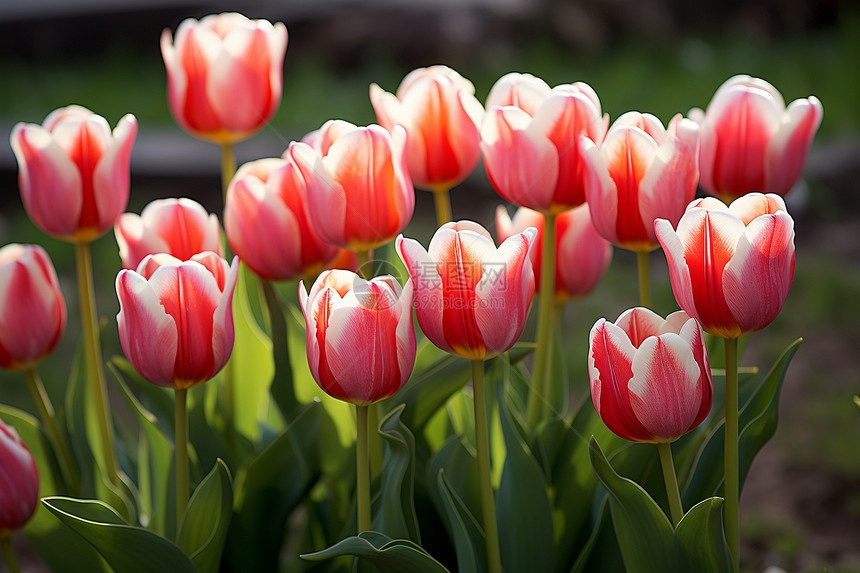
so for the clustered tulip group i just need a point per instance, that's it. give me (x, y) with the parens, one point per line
(335, 197)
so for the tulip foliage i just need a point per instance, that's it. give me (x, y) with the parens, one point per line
(277, 406)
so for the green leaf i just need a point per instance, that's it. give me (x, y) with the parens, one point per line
(428, 390)
(701, 541)
(522, 505)
(282, 389)
(757, 421)
(126, 548)
(395, 515)
(461, 473)
(468, 535)
(386, 554)
(644, 534)
(207, 519)
(76, 421)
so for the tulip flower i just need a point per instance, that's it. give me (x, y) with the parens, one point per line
(651, 382)
(641, 172)
(524, 91)
(358, 192)
(441, 115)
(32, 307)
(266, 223)
(19, 482)
(470, 297)
(74, 172)
(751, 141)
(179, 227)
(533, 160)
(582, 255)
(224, 75)
(731, 267)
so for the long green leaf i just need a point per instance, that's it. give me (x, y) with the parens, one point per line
(386, 554)
(395, 514)
(701, 541)
(468, 536)
(126, 548)
(207, 519)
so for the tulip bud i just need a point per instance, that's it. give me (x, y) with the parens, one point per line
(19, 481)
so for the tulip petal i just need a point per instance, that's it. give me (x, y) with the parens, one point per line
(111, 175)
(427, 282)
(639, 324)
(326, 199)
(789, 147)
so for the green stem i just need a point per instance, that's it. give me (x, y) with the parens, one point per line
(374, 440)
(363, 262)
(676, 508)
(181, 444)
(362, 469)
(49, 419)
(488, 504)
(228, 169)
(9, 553)
(643, 266)
(95, 363)
(732, 489)
(543, 353)
(442, 202)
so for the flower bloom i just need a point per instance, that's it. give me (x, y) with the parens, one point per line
(470, 297)
(524, 91)
(650, 378)
(32, 308)
(179, 227)
(74, 172)
(751, 141)
(224, 75)
(639, 173)
(731, 267)
(266, 225)
(581, 254)
(19, 481)
(438, 109)
(360, 337)
(534, 160)
(176, 318)
(358, 192)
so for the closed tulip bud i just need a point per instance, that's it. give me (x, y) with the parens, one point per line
(224, 75)
(441, 115)
(650, 378)
(176, 318)
(534, 160)
(358, 192)
(179, 227)
(73, 171)
(582, 255)
(360, 336)
(266, 225)
(32, 308)
(731, 267)
(471, 298)
(751, 141)
(19, 481)
(641, 172)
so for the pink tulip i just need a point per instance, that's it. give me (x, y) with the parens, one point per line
(524, 91)
(639, 173)
(74, 172)
(751, 141)
(176, 318)
(440, 113)
(650, 378)
(32, 308)
(224, 75)
(358, 192)
(266, 223)
(731, 267)
(471, 298)
(360, 337)
(19, 481)
(534, 160)
(582, 255)
(179, 227)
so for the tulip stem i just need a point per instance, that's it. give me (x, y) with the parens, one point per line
(181, 444)
(442, 202)
(363, 264)
(228, 167)
(676, 508)
(49, 419)
(95, 363)
(9, 553)
(643, 266)
(488, 504)
(539, 390)
(362, 469)
(732, 490)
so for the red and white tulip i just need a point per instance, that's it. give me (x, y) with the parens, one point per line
(19, 481)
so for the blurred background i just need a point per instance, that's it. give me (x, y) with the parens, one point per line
(801, 503)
